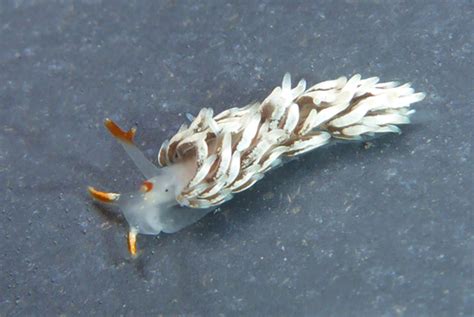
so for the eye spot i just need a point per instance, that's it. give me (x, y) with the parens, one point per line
(166, 190)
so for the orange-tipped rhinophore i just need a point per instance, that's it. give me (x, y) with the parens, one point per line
(125, 136)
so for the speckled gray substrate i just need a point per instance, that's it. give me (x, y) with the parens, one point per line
(377, 229)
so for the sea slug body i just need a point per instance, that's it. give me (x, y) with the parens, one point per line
(204, 164)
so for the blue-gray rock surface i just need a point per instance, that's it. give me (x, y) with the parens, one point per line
(382, 228)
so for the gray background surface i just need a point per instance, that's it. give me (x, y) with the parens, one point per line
(377, 229)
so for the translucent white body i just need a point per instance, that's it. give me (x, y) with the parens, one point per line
(157, 210)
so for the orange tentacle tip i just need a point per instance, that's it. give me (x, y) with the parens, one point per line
(116, 131)
(103, 196)
(132, 243)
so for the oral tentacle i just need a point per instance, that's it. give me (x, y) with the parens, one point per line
(103, 196)
(132, 242)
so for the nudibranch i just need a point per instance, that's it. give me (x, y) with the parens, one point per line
(204, 164)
